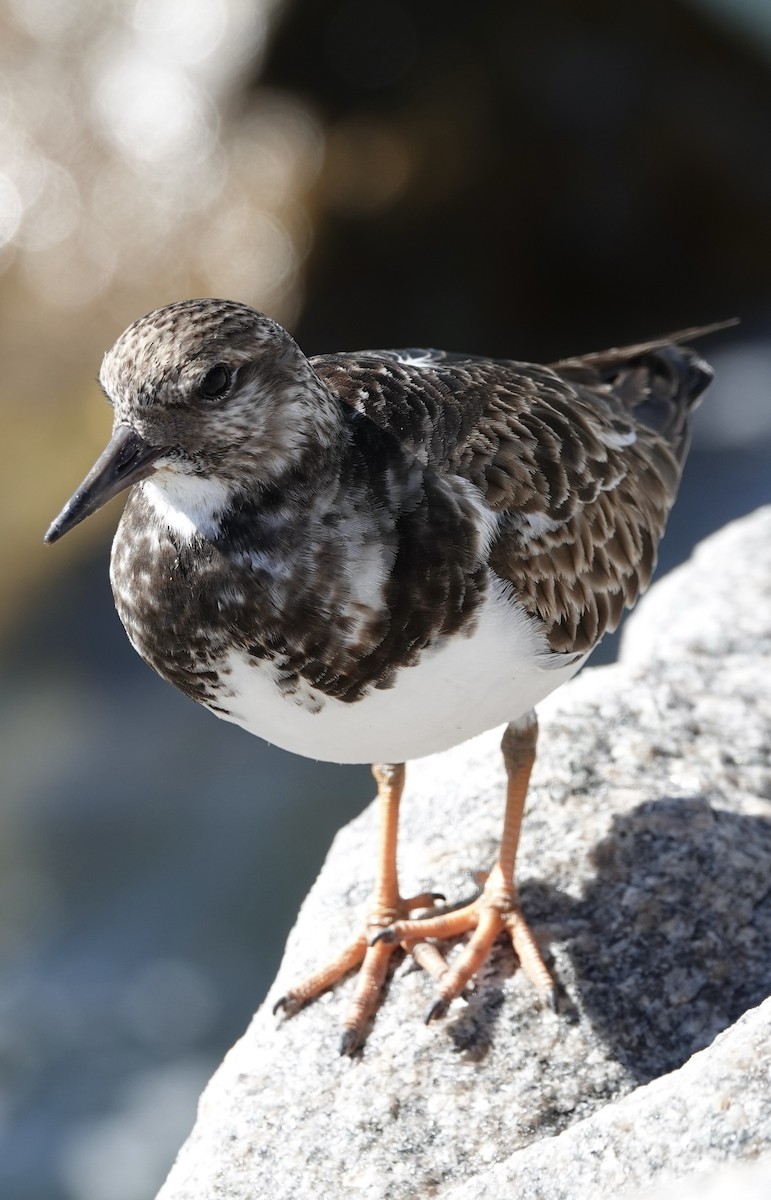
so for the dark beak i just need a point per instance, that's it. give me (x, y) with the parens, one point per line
(127, 460)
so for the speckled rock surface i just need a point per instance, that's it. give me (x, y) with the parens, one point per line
(712, 1110)
(750, 1180)
(645, 871)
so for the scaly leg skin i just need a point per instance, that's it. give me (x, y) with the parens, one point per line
(497, 908)
(387, 910)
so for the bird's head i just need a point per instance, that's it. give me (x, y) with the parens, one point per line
(205, 394)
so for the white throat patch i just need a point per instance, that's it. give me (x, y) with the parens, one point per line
(188, 504)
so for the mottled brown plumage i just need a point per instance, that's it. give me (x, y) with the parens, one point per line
(581, 461)
(372, 556)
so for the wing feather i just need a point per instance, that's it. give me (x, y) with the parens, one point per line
(580, 462)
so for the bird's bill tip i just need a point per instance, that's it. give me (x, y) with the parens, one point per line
(54, 531)
(126, 460)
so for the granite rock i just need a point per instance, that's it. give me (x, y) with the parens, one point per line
(750, 1180)
(644, 869)
(711, 1111)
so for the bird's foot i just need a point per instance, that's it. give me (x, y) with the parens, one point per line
(496, 910)
(371, 952)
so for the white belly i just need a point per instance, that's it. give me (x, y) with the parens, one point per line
(464, 687)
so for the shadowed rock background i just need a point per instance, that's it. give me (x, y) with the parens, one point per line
(513, 179)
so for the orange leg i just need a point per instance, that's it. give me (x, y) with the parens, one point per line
(389, 926)
(386, 910)
(497, 908)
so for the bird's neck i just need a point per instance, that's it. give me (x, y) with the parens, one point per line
(198, 505)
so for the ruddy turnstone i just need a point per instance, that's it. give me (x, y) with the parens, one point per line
(371, 557)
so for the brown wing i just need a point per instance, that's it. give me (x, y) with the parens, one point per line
(581, 461)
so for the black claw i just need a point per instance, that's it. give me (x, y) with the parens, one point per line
(437, 896)
(287, 1005)
(386, 935)
(350, 1042)
(552, 998)
(436, 1010)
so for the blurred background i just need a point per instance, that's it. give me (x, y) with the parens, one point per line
(512, 179)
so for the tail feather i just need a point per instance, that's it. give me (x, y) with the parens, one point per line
(659, 382)
(638, 349)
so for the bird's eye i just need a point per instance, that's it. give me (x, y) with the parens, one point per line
(216, 382)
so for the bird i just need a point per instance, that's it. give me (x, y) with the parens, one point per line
(372, 556)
